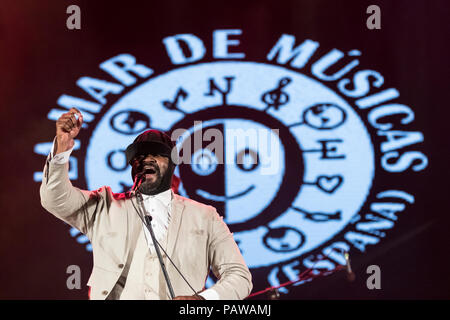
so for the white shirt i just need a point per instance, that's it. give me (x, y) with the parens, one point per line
(158, 206)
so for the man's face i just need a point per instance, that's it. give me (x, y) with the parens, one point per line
(153, 168)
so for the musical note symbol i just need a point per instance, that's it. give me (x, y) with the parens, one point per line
(275, 98)
(173, 105)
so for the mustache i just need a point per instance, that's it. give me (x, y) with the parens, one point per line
(148, 167)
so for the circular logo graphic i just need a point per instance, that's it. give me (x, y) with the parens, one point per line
(284, 193)
(284, 149)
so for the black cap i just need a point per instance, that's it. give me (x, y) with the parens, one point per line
(151, 142)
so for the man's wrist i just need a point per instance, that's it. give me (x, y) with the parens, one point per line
(59, 157)
(62, 146)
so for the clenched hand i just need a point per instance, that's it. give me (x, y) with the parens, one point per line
(67, 128)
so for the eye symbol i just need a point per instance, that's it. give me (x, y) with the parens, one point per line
(247, 160)
(204, 162)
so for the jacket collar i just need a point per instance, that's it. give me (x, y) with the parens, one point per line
(165, 197)
(174, 225)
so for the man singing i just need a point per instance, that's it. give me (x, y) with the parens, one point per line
(126, 264)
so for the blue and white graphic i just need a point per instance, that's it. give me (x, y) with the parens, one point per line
(287, 151)
(321, 145)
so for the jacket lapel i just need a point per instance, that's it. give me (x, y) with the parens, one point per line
(175, 223)
(134, 223)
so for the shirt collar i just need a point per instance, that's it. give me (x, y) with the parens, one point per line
(165, 197)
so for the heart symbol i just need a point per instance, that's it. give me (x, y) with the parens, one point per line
(329, 183)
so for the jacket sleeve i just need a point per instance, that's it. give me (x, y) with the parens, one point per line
(228, 265)
(74, 206)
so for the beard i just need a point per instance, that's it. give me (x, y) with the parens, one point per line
(159, 183)
(151, 186)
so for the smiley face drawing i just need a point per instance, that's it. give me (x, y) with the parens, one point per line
(324, 116)
(233, 179)
(283, 239)
(242, 180)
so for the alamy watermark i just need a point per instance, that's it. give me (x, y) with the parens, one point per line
(374, 280)
(374, 20)
(74, 279)
(74, 20)
(249, 149)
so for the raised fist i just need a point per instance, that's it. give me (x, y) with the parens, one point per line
(67, 128)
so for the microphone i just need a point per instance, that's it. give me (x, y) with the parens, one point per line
(137, 181)
(139, 178)
(350, 274)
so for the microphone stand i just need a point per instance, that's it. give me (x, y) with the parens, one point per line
(148, 224)
(306, 275)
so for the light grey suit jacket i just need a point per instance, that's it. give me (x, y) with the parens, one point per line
(197, 237)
